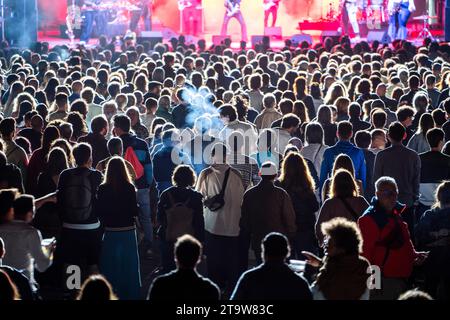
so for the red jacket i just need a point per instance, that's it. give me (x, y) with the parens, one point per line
(375, 226)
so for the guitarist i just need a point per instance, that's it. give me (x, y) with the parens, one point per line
(349, 10)
(89, 13)
(233, 10)
(270, 7)
(144, 12)
(399, 13)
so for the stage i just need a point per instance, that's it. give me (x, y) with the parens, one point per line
(53, 37)
(305, 17)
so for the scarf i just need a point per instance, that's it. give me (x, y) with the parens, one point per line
(343, 277)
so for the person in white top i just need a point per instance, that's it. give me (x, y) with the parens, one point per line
(289, 125)
(315, 146)
(23, 242)
(269, 114)
(88, 94)
(229, 117)
(221, 221)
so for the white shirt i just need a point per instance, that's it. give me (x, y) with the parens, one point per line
(225, 221)
(23, 248)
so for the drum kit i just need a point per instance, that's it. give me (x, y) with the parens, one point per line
(374, 13)
(115, 12)
(118, 12)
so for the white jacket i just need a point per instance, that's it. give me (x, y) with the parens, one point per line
(314, 153)
(225, 221)
(247, 130)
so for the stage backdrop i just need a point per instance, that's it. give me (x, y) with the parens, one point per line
(52, 13)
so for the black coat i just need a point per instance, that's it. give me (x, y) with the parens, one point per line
(183, 285)
(271, 281)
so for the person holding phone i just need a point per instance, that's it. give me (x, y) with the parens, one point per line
(23, 242)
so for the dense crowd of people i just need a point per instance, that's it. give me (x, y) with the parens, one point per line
(227, 167)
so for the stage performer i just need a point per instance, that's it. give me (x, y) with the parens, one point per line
(191, 12)
(349, 10)
(270, 7)
(399, 13)
(144, 11)
(233, 10)
(90, 13)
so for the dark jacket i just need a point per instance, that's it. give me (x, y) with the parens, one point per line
(364, 97)
(183, 285)
(11, 177)
(446, 128)
(305, 206)
(435, 168)
(179, 194)
(33, 136)
(267, 208)
(21, 281)
(432, 234)
(180, 114)
(369, 191)
(402, 164)
(116, 208)
(329, 134)
(271, 281)
(163, 164)
(359, 125)
(99, 147)
(47, 219)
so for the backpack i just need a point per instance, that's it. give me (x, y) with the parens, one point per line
(78, 195)
(132, 158)
(179, 219)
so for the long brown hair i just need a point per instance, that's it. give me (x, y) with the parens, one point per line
(343, 161)
(117, 174)
(343, 185)
(96, 288)
(295, 175)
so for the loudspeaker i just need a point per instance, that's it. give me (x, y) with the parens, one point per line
(273, 32)
(154, 37)
(379, 35)
(333, 34)
(218, 40)
(296, 39)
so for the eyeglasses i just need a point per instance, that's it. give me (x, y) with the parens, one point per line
(388, 193)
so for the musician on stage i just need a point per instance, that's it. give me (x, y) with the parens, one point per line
(270, 7)
(90, 13)
(399, 13)
(349, 16)
(144, 12)
(191, 16)
(233, 10)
